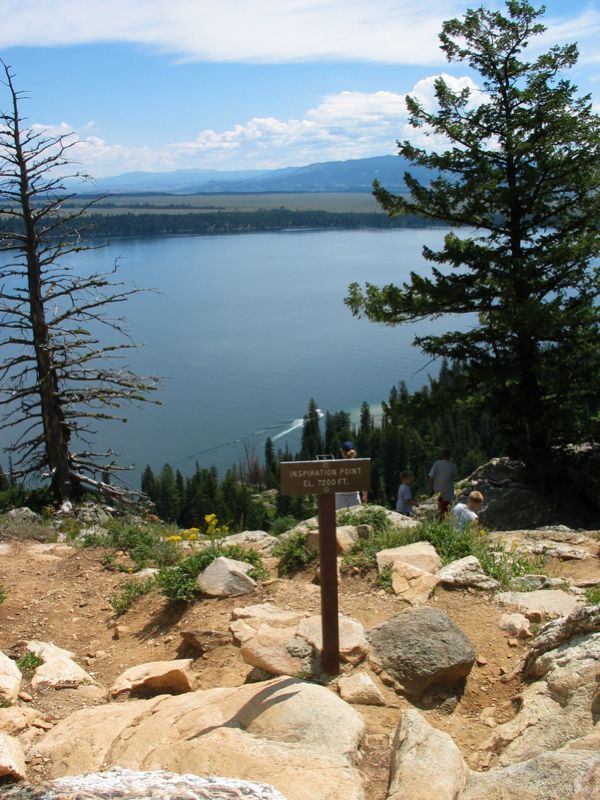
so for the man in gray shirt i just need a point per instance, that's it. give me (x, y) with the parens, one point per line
(441, 479)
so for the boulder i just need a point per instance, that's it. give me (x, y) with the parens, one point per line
(125, 784)
(419, 554)
(155, 677)
(511, 503)
(278, 651)
(23, 514)
(561, 706)
(581, 622)
(58, 671)
(254, 540)
(89, 514)
(226, 577)
(10, 679)
(353, 643)
(205, 639)
(564, 552)
(549, 776)
(467, 572)
(12, 758)
(360, 689)
(426, 763)
(553, 602)
(412, 585)
(532, 582)
(265, 732)
(421, 648)
(346, 536)
(289, 642)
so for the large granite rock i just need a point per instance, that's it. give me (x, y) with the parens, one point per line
(226, 577)
(290, 642)
(467, 573)
(511, 503)
(58, 671)
(12, 758)
(550, 776)
(10, 679)
(426, 763)
(155, 677)
(285, 732)
(561, 707)
(126, 784)
(254, 540)
(421, 648)
(412, 585)
(553, 602)
(418, 554)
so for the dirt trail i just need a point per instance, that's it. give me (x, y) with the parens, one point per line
(60, 594)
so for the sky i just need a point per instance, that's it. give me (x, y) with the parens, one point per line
(160, 85)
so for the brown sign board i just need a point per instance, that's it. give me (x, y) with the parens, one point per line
(325, 477)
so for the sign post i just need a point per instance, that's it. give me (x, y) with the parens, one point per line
(324, 479)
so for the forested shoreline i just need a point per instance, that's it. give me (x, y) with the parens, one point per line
(223, 222)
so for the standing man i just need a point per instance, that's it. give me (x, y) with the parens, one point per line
(441, 479)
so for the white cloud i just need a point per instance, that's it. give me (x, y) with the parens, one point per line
(275, 31)
(344, 125)
(271, 31)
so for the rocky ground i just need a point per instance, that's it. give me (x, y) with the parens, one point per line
(61, 594)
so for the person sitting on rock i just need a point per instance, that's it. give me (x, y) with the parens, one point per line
(463, 515)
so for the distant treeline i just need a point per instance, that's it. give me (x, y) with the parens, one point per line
(219, 222)
(410, 434)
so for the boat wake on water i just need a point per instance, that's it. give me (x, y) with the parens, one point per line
(295, 425)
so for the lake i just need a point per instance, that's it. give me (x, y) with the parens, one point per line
(245, 329)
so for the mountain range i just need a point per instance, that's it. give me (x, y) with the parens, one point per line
(355, 175)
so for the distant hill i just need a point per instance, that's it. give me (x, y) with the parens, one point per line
(355, 175)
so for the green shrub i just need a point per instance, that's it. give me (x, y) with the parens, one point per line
(450, 543)
(178, 583)
(592, 595)
(29, 662)
(384, 579)
(282, 524)
(18, 496)
(143, 544)
(2, 595)
(130, 591)
(294, 554)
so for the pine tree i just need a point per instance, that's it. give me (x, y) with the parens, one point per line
(312, 443)
(522, 168)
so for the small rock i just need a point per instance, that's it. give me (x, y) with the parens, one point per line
(360, 689)
(516, 624)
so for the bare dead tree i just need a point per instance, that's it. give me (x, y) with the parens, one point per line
(56, 376)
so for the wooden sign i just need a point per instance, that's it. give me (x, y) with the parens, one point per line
(325, 477)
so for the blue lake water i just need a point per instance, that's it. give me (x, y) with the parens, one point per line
(245, 329)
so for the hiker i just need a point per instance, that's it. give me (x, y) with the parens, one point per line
(463, 516)
(404, 501)
(441, 479)
(348, 499)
